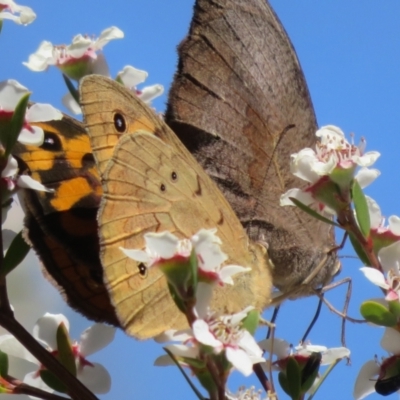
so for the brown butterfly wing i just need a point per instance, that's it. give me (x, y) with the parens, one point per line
(61, 226)
(240, 104)
(153, 184)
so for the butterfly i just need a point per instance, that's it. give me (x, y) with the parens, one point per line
(240, 104)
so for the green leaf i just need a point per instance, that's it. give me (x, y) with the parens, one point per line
(322, 379)
(1, 25)
(52, 381)
(71, 88)
(293, 375)
(3, 364)
(15, 254)
(361, 208)
(284, 382)
(359, 249)
(377, 313)
(64, 347)
(250, 323)
(16, 124)
(394, 308)
(310, 371)
(313, 213)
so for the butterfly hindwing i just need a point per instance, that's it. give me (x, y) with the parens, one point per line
(239, 102)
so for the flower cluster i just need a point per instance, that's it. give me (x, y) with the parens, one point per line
(21, 15)
(93, 339)
(83, 57)
(11, 93)
(195, 265)
(330, 170)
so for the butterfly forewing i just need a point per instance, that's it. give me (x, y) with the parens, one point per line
(240, 104)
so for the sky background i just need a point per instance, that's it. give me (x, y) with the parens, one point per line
(350, 54)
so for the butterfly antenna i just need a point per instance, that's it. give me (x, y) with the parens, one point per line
(314, 320)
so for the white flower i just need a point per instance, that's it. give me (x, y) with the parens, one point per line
(9, 9)
(245, 394)
(371, 372)
(334, 160)
(165, 246)
(282, 350)
(13, 180)
(130, 77)
(92, 375)
(11, 93)
(223, 334)
(389, 258)
(77, 59)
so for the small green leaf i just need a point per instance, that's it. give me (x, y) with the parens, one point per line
(15, 254)
(71, 88)
(359, 249)
(284, 382)
(377, 313)
(394, 308)
(1, 25)
(293, 376)
(64, 347)
(3, 364)
(313, 213)
(52, 381)
(310, 371)
(361, 208)
(16, 124)
(250, 323)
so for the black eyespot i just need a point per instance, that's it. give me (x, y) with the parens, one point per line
(119, 123)
(142, 270)
(163, 188)
(174, 176)
(88, 160)
(51, 142)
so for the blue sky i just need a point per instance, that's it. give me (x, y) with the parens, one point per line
(350, 54)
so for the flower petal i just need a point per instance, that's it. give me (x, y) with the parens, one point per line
(149, 93)
(46, 328)
(202, 333)
(334, 353)
(10, 345)
(365, 176)
(240, 360)
(95, 338)
(27, 182)
(43, 112)
(70, 103)
(391, 341)
(96, 378)
(131, 76)
(365, 384)
(11, 92)
(164, 244)
(375, 276)
(389, 257)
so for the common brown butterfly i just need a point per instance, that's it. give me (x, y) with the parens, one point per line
(240, 104)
